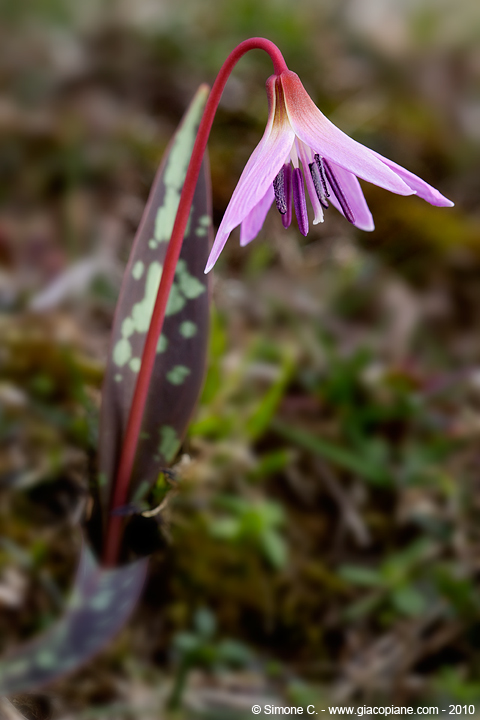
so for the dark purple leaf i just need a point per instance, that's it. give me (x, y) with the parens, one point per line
(100, 604)
(179, 367)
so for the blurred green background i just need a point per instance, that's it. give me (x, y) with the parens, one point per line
(323, 544)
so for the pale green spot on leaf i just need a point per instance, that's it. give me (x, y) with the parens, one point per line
(204, 220)
(189, 284)
(176, 301)
(152, 244)
(162, 343)
(118, 378)
(128, 328)
(122, 352)
(182, 149)
(138, 269)
(101, 601)
(178, 374)
(201, 231)
(169, 442)
(188, 329)
(175, 171)
(45, 659)
(135, 364)
(142, 311)
(139, 320)
(166, 214)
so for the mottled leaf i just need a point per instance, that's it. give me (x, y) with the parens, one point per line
(179, 369)
(100, 604)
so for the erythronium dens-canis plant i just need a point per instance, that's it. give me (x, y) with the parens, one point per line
(300, 147)
(296, 133)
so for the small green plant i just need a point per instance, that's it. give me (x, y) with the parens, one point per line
(199, 649)
(256, 524)
(395, 586)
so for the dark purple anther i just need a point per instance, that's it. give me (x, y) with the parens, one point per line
(282, 187)
(321, 172)
(279, 190)
(319, 184)
(338, 192)
(299, 202)
(287, 217)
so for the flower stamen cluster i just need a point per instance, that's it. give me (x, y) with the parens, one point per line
(323, 184)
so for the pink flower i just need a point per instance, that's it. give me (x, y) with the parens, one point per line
(299, 135)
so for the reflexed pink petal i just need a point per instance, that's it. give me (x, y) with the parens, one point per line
(252, 224)
(259, 172)
(354, 195)
(263, 164)
(423, 189)
(220, 240)
(324, 138)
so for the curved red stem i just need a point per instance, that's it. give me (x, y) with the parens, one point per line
(132, 432)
